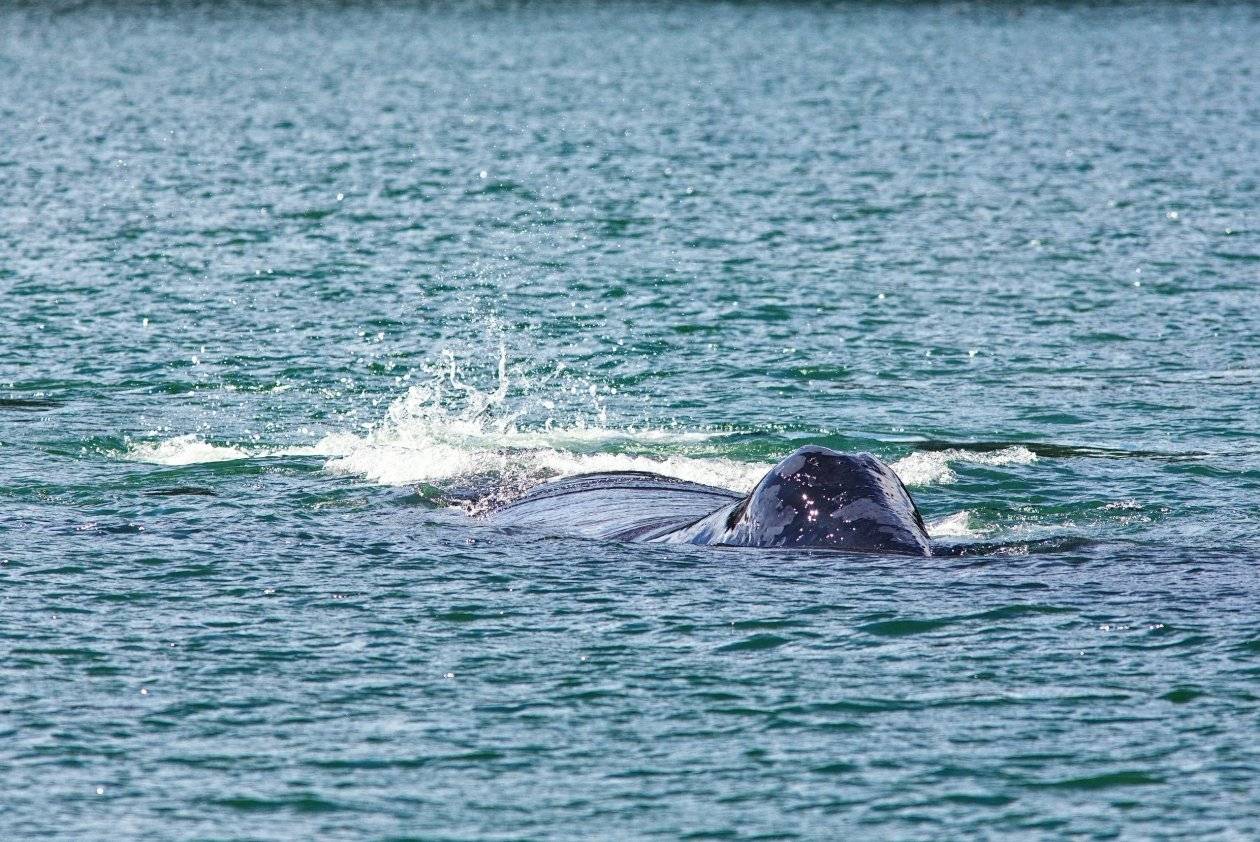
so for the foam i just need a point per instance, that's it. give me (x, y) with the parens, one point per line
(933, 467)
(403, 452)
(445, 429)
(957, 525)
(508, 436)
(183, 450)
(420, 441)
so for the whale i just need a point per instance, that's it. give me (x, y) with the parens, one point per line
(815, 498)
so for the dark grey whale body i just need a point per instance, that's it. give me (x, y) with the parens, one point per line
(815, 498)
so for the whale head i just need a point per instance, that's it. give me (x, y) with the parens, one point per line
(819, 498)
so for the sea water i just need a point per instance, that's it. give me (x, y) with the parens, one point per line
(287, 288)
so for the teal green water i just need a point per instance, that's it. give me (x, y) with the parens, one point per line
(280, 280)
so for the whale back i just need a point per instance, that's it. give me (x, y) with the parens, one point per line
(621, 506)
(822, 499)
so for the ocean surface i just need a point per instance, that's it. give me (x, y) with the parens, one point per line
(281, 283)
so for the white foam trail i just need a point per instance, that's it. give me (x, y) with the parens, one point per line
(403, 456)
(435, 463)
(183, 450)
(191, 449)
(447, 429)
(932, 467)
(402, 452)
(419, 442)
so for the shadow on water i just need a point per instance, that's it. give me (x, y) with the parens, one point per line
(956, 549)
(182, 491)
(28, 404)
(1036, 546)
(1058, 451)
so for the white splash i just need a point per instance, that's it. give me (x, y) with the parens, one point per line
(933, 467)
(957, 525)
(447, 429)
(421, 440)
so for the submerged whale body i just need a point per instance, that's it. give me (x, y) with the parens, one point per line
(815, 498)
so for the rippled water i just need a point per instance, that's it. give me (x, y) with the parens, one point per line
(279, 281)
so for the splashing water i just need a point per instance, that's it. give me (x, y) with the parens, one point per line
(448, 430)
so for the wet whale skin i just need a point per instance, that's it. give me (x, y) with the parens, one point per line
(814, 498)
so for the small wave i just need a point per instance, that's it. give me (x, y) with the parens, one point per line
(410, 448)
(448, 430)
(191, 449)
(435, 462)
(506, 434)
(412, 456)
(903, 627)
(183, 450)
(933, 467)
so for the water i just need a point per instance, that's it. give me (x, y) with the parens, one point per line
(279, 280)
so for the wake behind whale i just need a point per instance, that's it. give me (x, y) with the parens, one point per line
(815, 498)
